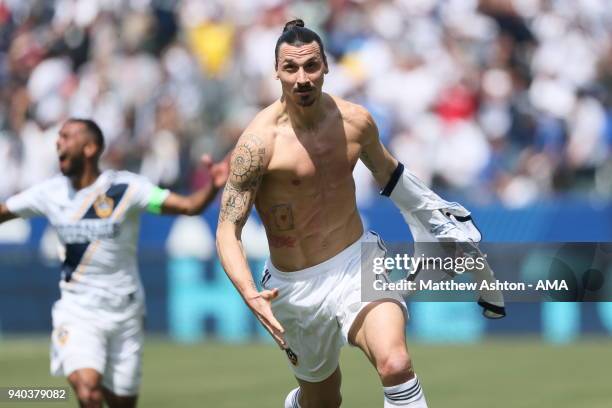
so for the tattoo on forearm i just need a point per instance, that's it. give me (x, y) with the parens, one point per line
(282, 216)
(246, 172)
(368, 162)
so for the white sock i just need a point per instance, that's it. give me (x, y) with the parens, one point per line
(408, 394)
(292, 400)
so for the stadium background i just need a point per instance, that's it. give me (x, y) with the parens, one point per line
(503, 105)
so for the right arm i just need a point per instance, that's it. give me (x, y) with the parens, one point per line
(27, 204)
(247, 167)
(5, 214)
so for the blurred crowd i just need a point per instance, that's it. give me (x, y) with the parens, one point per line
(496, 100)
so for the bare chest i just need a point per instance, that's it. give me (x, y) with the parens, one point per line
(313, 160)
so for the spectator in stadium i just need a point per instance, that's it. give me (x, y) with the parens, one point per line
(118, 62)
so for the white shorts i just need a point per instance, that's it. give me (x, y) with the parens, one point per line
(318, 305)
(82, 339)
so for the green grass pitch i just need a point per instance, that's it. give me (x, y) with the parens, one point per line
(497, 373)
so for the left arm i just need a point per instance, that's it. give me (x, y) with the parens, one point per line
(374, 154)
(195, 203)
(406, 191)
(420, 205)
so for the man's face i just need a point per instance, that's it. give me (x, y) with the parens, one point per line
(301, 71)
(74, 146)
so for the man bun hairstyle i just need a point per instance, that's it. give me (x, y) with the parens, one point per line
(294, 23)
(295, 33)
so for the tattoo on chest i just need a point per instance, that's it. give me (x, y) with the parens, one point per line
(282, 215)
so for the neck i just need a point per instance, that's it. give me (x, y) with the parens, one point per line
(304, 117)
(86, 178)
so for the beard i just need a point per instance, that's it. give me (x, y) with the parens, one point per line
(306, 100)
(75, 166)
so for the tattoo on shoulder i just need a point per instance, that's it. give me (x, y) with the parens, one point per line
(247, 161)
(246, 172)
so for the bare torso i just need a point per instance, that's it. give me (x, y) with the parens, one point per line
(306, 198)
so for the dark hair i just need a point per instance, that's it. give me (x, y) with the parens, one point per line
(295, 33)
(93, 129)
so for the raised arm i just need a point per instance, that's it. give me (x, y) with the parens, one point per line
(5, 214)
(247, 167)
(195, 203)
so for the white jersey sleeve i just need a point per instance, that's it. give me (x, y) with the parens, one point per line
(29, 203)
(145, 196)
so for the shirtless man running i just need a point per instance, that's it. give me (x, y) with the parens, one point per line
(295, 162)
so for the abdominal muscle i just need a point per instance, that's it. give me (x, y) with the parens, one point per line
(307, 228)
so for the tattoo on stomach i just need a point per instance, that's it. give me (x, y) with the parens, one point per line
(282, 215)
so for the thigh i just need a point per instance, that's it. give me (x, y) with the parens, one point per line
(353, 299)
(313, 336)
(323, 394)
(76, 343)
(123, 372)
(380, 332)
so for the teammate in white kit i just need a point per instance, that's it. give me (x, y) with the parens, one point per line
(97, 337)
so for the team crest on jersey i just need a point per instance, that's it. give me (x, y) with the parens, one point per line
(103, 206)
(292, 356)
(62, 335)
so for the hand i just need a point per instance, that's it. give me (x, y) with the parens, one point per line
(260, 305)
(219, 172)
